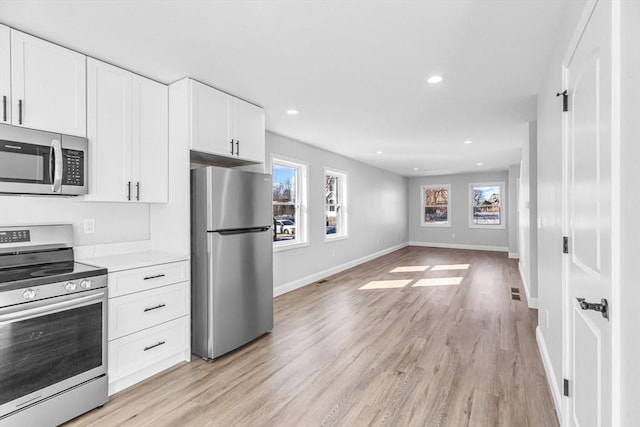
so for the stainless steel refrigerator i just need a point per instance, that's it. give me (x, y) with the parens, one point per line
(231, 259)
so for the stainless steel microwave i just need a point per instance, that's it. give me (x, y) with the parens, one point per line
(37, 162)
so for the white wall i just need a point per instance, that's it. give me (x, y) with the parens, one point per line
(514, 178)
(377, 221)
(527, 218)
(115, 222)
(549, 200)
(630, 206)
(493, 239)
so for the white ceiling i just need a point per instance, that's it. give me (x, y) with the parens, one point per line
(355, 70)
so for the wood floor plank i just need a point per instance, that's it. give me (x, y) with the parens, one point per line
(438, 342)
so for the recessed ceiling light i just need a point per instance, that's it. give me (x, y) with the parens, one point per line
(415, 169)
(479, 164)
(292, 112)
(378, 152)
(468, 141)
(434, 79)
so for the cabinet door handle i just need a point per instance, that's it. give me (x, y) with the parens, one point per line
(128, 190)
(19, 111)
(138, 190)
(155, 307)
(232, 147)
(157, 276)
(154, 346)
(4, 108)
(237, 147)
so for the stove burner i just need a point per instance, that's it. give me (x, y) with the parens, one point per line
(52, 271)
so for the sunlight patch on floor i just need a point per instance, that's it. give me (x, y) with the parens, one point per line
(385, 284)
(409, 268)
(450, 267)
(439, 281)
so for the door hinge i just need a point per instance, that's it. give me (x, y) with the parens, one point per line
(565, 387)
(565, 99)
(565, 245)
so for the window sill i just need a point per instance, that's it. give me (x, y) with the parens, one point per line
(335, 238)
(426, 224)
(488, 227)
(288, 246)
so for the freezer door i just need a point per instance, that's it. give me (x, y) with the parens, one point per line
(236, 199)
(240, 289)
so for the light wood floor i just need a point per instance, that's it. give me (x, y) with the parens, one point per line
(447, 355)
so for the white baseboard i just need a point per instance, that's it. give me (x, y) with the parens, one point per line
(460, 246)
(532, 302)
(312, 278)
(551, 375)
(514, 255)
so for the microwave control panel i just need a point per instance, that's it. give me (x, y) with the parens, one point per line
(73, 167)
(15, 236)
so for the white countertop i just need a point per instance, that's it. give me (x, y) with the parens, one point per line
(127, 261)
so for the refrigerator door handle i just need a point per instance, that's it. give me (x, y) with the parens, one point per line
(242, 230)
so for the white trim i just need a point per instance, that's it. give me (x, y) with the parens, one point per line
(302, 201)
(551, 374)
(312, 278)
(343, 204)
(460, 246)
(422, 205)
(279, 247)
(503, 205)
(514, 255)
(531, 302)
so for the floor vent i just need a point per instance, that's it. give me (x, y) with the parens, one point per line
(515, 290)
(515, 297)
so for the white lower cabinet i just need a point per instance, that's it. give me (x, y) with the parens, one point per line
(149, 322)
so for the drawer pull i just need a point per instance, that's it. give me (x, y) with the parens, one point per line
(155, 345)
(154, 308)
(157, 276)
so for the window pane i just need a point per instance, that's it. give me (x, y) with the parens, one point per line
(486, 196)
(486, 205)
(486, 215)
(284, 197)
(434, 215)
(436, 196)
(284, 183)
(332, 200)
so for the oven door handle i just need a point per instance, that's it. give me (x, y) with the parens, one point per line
(18, 314)
(56, 151)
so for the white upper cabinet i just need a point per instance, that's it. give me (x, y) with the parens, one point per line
(248, 126)
(210, 120)
(48, 86)
(150, 140)
(128, 135)
(225, 126)
(5, 74)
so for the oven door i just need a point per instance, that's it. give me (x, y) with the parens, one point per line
(49, 346)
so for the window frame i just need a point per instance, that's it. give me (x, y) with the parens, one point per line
(301, 192)
(503, 205)
(423, 205)
(342, 205)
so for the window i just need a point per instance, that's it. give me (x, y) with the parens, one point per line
(289, 182)
(486, 205)
(335, 204)
(436, 205)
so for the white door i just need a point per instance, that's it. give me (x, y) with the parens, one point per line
(248, 127)
(589, 208)
(151, 140)
(211, 121)
(5, 74)
(109, 132)
(48, 85)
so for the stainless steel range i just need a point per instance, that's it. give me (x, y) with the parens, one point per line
(53, 328)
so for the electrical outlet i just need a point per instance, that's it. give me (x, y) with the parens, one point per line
(89, 225)
(453, 235)
(377, 241)
(333, 253)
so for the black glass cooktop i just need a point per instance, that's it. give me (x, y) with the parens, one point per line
(40, 274)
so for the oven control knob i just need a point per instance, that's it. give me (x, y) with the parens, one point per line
(85, 284)
(29, 294)
(70, 287)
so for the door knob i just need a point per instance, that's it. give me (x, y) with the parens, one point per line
(603, 307)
